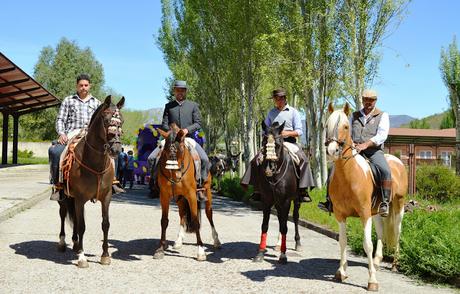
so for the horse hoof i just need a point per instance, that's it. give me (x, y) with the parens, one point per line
(217, 245)
(298, 248)
(75, 247)
(282, 260)
(372, 287)
(394, 268)
(159, 255)
(105, 260)
(259, 258)
(177, 246)
(201, 257)
(83, 264)
(340, 277)
(61, 248)
(278, 248)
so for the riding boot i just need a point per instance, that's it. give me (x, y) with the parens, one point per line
(57, 193)
(327, 205)
(384, 206)
(303, 195)
(116, 187)
(200, 191)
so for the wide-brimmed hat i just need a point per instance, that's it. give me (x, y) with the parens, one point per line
(180, 84)
(278, 93)
(369, 93)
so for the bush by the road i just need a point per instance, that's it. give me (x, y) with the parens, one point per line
(437, 182)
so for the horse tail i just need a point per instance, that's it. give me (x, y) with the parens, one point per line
(70, 205)
(391, 227)
(189, 224)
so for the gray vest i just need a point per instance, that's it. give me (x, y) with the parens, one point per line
(361, 131)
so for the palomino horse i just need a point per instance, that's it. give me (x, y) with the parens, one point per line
(351, 187)
(91, 175)
(176, 178)
(277, 182)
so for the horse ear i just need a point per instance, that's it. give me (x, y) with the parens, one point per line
(121, 103)
(330, 108)
(163, 133)
(264, 127)
(347, 109)
(180, 136)
(281, 127)
(108, 100)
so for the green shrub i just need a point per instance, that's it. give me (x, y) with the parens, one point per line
(430, 245)
(25, 153)
(437, 182)
(230, 187)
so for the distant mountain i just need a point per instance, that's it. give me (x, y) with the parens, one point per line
(397, 120)
(433, 120)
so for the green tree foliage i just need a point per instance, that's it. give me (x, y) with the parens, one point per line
(57, 70)
(419, 124)
(450, 73)
(448, 120)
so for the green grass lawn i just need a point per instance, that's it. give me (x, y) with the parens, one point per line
(30, 160)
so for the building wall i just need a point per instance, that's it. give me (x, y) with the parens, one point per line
(423, 153)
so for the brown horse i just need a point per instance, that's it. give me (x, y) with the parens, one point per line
(91, 174)
(351, 188)
(176, 178)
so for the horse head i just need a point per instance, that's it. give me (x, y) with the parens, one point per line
(337, 131)
(112, 122)
(174, 146)
(272, 146)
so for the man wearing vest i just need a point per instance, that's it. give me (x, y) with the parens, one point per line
(369, 130)
(186, 115)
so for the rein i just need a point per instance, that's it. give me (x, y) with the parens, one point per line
(178, 180)
(341, 143)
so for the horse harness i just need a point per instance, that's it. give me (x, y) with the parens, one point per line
(341, 143)
(172, 165)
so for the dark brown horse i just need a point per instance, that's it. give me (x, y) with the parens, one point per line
(91, 174)
(277, 182)
(176, 179)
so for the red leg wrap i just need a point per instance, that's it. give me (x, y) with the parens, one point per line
(263, 241)
(283, 243)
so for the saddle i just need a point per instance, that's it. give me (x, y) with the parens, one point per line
(67, 160)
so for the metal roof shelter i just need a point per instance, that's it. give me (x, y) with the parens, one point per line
(445, 137)
(19, 94)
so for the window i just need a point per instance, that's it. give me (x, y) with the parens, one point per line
(426, 154)
(446, 157)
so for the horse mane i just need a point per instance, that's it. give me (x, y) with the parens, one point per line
(338, 115)
(96, 113)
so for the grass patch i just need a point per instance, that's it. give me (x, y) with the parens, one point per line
(30, 160)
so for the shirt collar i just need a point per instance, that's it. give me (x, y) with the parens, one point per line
(286, 107)
(180, 102)
(78, 97)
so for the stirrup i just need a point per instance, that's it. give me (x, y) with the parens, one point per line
(326, 206)
(384, 208)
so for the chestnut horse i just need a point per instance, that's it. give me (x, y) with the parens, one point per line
(91, 176)
(277, 181)
(176, 178)
(351, 187)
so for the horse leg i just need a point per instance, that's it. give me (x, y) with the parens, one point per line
(341, 275)
(193, 204)
(181, 234)
(62, 213)
(160, 251)
(372, 284)
(105, 258)
(397, 228)
(208, 210)
(263, 237)
(378, 251)
(295, 215)
(81, 227)
(283, 213)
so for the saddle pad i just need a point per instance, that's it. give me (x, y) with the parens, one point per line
(292, 150)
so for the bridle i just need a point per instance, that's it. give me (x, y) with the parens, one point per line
(341, 142)
(271, 156)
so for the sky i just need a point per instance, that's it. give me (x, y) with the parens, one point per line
(122, 36)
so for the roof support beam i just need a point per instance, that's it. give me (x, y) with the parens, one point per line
(11, 83)
(7, 69)
(24, 100)
(3, 95)
(36, 109)
(18, 108)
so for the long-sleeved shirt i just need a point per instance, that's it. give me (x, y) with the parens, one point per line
(186, 115)
(289, 115)
(75, 113)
